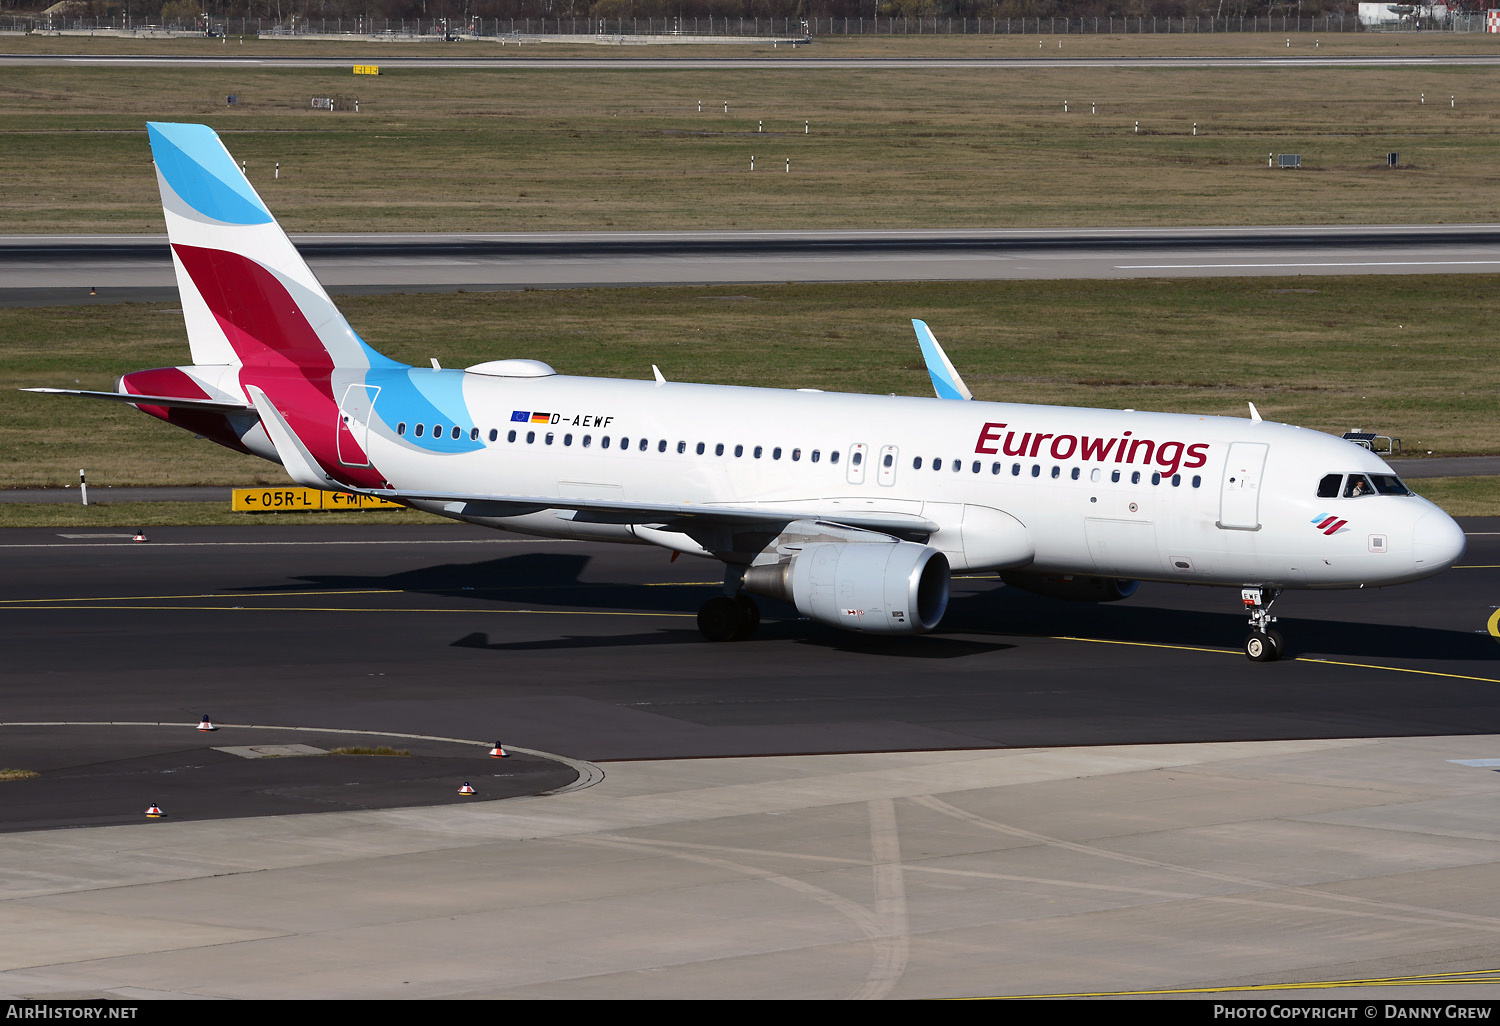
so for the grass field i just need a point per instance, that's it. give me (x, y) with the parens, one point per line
(530, 149)
(1406, 356)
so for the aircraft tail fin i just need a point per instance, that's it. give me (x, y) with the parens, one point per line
(248, 297)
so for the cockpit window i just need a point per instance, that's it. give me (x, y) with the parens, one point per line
(1389, 484)
(1328, 488)
(1358, 485)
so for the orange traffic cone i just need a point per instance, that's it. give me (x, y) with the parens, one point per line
(207, 724)
(467, 789)
(498, 752)
(140, 534)
(155, 811)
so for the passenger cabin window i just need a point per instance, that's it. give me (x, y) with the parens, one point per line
(1328, 488)
(401, 428)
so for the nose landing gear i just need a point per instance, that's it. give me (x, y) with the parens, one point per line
(1264, 644)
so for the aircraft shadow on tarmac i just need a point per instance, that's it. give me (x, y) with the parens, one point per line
(791, 628)
(543, 580)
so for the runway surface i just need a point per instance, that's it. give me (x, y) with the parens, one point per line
(50, 270)
(1101, 799)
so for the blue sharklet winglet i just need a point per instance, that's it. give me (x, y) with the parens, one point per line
(945, 377)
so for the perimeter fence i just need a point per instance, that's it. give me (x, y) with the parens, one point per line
(779, 28)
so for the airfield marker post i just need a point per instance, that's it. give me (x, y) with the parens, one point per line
(83, 487)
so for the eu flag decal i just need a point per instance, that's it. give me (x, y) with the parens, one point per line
(520, 416)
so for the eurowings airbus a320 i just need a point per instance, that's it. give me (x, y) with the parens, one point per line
(854, 508)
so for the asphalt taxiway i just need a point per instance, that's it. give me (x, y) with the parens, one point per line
(1042, 798)
(591, 651)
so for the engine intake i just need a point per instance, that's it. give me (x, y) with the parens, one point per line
(885, 587)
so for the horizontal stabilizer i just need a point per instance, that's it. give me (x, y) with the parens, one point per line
(289, 448)
(171, 401)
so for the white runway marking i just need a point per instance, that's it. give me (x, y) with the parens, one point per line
(1332, 263)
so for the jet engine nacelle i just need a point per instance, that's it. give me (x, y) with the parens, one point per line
(1072, 587)
(878, 587)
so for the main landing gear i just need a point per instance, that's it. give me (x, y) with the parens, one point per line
(732, 616)
(1264, 645)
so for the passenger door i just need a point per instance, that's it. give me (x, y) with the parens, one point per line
(1239, 495)
(354, 424)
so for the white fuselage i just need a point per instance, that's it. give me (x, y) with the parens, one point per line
(1122, 494)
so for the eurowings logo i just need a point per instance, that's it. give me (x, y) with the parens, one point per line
(1329, 525)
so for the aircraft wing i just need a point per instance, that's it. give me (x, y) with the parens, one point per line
(177, 402)
(609, 511)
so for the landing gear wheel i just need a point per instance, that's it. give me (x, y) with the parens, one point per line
(721, 619)
(1264, 647)
(750, 615)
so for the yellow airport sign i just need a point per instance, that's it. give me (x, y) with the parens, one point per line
(301, 500)
(367, 69)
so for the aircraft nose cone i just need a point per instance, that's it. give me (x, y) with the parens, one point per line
(1437, 541)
